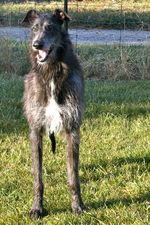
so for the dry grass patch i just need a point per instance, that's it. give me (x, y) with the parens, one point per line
(104, 62)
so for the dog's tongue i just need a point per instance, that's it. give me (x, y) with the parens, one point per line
(41, 55)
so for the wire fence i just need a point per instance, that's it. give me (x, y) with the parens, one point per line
(86, 14)
(118, 22)
(111, 14)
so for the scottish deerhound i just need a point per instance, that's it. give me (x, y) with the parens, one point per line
(53, 99)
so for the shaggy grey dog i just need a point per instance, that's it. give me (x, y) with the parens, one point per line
(53, 99)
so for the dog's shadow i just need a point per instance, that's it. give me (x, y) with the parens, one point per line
(103, 204)
(126, 201)
(55, 211)
(123, 201)
(99, 204)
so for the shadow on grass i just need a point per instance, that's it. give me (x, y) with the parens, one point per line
(109, 18)
(114, 109)
(87, 17)
(101, 170)
(118, 162)
(129, 111)
(123, 201)
(127, 98)
(130, 160)
(11, 106)
(55, 211)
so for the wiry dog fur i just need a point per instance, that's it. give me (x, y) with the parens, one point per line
(53, 99)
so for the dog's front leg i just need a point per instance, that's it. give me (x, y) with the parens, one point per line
(36, 146)
(73, 140)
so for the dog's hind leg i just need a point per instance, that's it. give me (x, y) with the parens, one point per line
(73, 140)
(36, 146)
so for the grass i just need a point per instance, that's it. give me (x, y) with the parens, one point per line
(101, 62)
(115, 62)
(114, 158)
(89, 14)
(14, 58)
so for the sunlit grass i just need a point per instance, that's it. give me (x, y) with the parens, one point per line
(90, 14)
(114, 158)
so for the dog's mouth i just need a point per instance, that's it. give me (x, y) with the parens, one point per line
(42, 55)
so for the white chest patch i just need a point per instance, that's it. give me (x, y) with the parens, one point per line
(53, 114)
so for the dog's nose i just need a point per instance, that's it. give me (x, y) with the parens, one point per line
(38, 44)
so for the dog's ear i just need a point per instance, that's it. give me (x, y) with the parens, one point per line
(61, 16)
(30, 16)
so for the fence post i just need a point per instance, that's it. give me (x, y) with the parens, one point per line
(66, 10)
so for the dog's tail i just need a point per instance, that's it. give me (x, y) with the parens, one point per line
(53, 142)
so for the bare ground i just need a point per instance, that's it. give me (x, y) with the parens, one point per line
(87, 36)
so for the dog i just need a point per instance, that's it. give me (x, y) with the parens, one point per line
(53, 99)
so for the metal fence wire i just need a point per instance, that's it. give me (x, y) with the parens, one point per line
(111, 14)
(117, 23)
(116, 14)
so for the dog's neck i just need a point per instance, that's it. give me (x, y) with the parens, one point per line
(51, 70)
(55, 73)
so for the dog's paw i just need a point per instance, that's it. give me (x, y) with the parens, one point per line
(36, 214)
(78, 208)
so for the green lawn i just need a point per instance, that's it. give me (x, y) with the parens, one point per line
(114, 158)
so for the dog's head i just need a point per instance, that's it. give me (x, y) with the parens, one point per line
(46, 32)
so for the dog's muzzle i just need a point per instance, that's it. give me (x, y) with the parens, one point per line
(42, 53)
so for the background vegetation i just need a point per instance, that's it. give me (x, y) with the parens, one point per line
(105, 62)
(89, 14)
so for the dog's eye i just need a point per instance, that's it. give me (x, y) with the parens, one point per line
(35, 28)
(49, 27)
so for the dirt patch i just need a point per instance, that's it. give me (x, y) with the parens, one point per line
(86, 36)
